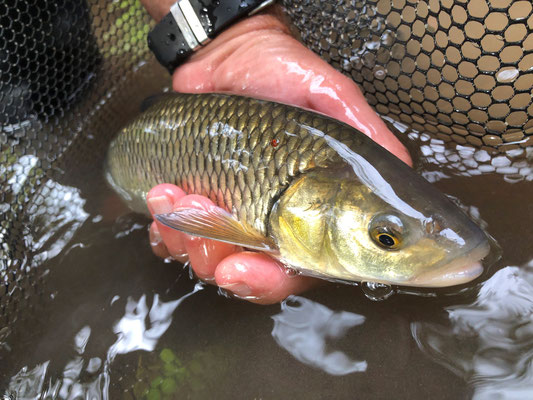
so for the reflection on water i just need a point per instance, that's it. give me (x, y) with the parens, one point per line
(465, 160)
(489, 342)
(139, 329)
(53, 213)
(133, 333)
(80, 377)
(302, 328)
(53, 219)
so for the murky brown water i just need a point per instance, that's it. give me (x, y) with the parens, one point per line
(113, 319)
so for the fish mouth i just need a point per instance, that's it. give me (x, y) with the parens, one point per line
(461, 270)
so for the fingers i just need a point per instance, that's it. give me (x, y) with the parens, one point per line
(204, 254)
(161, 200)
(259, 278)
(257, 57)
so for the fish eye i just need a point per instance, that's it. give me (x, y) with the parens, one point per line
(387, 231)
(386, 240)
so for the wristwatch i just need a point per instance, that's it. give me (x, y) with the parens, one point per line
(191, 24)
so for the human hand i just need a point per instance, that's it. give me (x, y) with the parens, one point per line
(256, 57)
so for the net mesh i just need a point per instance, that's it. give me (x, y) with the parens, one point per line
(66, 73)
(459, 69)
(72, 72)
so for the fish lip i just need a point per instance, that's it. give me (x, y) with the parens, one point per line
(459, 271)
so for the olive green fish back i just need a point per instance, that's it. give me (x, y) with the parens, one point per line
(242, 153)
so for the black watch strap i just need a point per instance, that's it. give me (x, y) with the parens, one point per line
(190, 24)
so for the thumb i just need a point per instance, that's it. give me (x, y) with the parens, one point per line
(259, 278)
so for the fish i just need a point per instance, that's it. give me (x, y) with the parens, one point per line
(311, 191)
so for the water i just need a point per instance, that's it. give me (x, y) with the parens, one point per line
(116, 322)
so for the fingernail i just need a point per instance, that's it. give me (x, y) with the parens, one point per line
(239, 289)
(160, 205)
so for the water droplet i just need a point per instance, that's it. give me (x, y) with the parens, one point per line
(500, 161)
(387, 39)
(291, 272)
(507, 75)
(373, 45)
(187, 266)
(225, 293)
(380, 72)
(377, 291)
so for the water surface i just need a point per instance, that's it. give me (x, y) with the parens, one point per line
(113, 320)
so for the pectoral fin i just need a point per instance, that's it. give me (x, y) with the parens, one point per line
(217, 224)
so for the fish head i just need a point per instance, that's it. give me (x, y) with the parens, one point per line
(334, 224)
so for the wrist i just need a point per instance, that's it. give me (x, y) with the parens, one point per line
(190, 25)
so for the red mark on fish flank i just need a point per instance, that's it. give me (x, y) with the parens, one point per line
(274, 142)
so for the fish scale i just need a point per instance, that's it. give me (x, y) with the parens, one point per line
(221, 146)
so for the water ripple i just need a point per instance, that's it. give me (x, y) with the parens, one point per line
(88, 378)
(489, 343)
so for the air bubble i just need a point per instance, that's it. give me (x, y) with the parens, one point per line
(377, 291)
